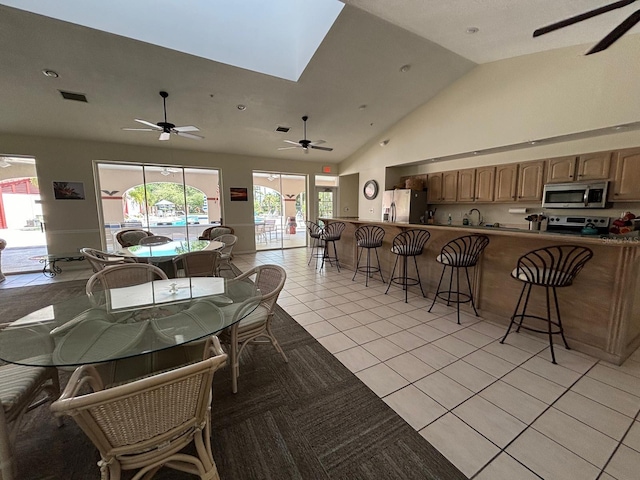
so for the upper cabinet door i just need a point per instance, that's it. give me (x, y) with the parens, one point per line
(594, 166)
(530, 181)
(626, 185)
(506, 183)
(561, 170)
(466, 185)
(449, 186)
(485, 184)
(434, 188)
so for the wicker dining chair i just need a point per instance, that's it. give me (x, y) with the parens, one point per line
(124, 276)
(229, 241)
(131, 236)
(213, 233)
(147, 423)
(269, 279)
(99, 259)
(197, 264)
(21, 390)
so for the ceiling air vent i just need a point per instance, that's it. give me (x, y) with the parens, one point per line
(282, 129)
(78, 97)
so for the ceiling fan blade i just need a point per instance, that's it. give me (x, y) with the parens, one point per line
(140, 129)
(616, 33)
(581, 17)
(144, 122)
(189, 135)
(289, 148)
(292, 142)
(318, 142)
(164, 136)
(188, 128)
(326, 149)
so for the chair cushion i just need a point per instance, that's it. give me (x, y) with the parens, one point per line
(455, 259)
(541, 277)
(405, 250)
(17, 382)
(369, 243)
(259, 315)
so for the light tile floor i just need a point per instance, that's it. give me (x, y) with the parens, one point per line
(495, 411)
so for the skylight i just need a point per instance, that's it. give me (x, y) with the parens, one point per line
(275, 37)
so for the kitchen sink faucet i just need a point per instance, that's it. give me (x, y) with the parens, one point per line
(480, 219)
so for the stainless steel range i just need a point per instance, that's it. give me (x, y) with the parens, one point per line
(575, 224)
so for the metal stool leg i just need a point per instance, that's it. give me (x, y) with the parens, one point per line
(357, 264)
(418, 275)
(553, 355)
(470, 291)
(555, 296)
(513, 317)
(438, 288)
(379, 267)
(392, 275)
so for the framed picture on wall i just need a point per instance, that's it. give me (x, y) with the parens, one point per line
(68, 190)
(238, 194)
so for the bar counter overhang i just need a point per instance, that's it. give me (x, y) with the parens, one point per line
(600, 311)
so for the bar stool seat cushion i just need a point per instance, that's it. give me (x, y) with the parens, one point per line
(456, 260)
(369, 244)
(407, 250)
(550, 277)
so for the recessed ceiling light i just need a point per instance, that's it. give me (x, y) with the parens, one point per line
(241, 107)
(472, 30)
(476, 153)
(384, 142)
(362, 107)
(533, 142)
(405, 68)
(50, 73)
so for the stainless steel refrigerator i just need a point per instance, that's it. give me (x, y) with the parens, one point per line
(404, 205)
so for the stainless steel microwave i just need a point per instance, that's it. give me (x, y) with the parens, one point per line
(575, 195)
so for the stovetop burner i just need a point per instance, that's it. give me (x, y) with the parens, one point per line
(574, 224)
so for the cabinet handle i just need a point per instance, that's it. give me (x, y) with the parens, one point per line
(570, 176)
(616, 194)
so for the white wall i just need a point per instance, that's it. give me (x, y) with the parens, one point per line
(74, 224)
(544, 95)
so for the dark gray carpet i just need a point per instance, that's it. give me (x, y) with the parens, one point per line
(308, 419)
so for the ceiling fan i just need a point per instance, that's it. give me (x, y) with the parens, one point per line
(165, 127)
(304, 143)
(607, 41)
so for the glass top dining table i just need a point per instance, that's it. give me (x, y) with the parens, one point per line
(166, 251)
(126, 322)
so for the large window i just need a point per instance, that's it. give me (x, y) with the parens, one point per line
(176, 202)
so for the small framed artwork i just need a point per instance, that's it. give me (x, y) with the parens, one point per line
(238, 194)
(68, 190)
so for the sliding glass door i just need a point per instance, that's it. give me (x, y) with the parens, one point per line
(280, 209)
(177, 202)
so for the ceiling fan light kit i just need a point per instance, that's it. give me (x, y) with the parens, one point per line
(306, 144)
(607, 41)
(165, 128)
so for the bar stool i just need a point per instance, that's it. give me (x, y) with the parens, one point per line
(317, 246)
(330, 235)
(368, 237)
(550, 267)
(461, 252)
(409, 243)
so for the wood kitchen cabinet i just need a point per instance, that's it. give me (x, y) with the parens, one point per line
(592, 166)
(626, 184)
(434, 188)
(485, 184)
(530, 181)
(466, 191)
(450, 186)
(561, 170)
(506, 182)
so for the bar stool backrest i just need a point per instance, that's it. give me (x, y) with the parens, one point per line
(314, 229)
(554, 266)
(369, 236)
(333, 231)
(410, 242)
(463, 251)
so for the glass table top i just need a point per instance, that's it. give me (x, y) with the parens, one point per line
(126, 322)
(171, 249)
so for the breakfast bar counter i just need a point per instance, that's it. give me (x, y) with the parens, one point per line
(600, 311)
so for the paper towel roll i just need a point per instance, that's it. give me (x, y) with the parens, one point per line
(517, 210)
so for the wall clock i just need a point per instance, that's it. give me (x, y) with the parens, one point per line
(370, 189)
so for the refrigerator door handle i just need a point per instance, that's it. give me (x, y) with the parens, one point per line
(393, 211)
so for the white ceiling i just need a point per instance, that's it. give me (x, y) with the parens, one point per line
(357, 64)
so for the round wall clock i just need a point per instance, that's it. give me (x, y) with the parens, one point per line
(370, 189)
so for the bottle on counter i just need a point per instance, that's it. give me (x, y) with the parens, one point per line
(449, 220)
(465, 219)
